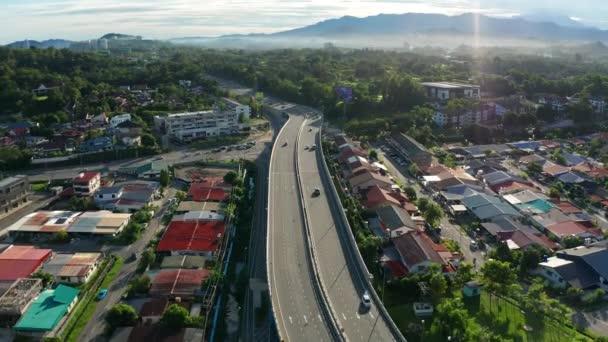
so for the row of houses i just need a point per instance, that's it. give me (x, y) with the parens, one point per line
(393, 216)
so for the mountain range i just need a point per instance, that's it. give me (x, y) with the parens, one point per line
(416, 25)
(393, 30)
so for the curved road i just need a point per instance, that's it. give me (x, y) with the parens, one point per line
(298, 314)
(338, 273)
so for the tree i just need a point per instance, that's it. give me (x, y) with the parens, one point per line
(373, 154)
(503, 253)
(438, 284)
(410, 192)
(164, 178)
(413, 169)
(463, 274)
(140, 285)
(46, 277)
(498, 277)
(61, 236)
(121, 315)
(433, 214)
(422, 204)
(231, 177)
(180, 196)
(529, 260)
(147, 140)
(175, 317)
(554, 193)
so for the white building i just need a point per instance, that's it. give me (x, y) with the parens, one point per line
(234, 106)
(191, 126)
(451, 90)
(118, 119)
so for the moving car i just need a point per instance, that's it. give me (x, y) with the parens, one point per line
(316, 192)
(102, 294)
(366, 300)
(285, 144)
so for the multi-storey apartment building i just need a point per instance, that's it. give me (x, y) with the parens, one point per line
(13, 192)
(186, 127)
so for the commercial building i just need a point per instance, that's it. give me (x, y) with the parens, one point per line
(42, 224)
(103, 222)
(451, 90)
(410, 149)
(73, 268)
(13, 192)
(45, 314)
(235, 107)
(21, 261)
(186, 127)
(86, 183)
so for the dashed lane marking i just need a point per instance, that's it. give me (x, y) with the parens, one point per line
(371, 314)
(320, 319)
(305, 320)
(290, 320)
(358, 317)
(344, 316)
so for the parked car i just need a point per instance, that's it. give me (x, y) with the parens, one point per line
(102, 294)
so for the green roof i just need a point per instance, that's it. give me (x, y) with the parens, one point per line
(156, 166)
(48, 309)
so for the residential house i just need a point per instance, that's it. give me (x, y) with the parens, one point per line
(118, 119)
(127, 197)
(581, 267)
(366, 179)
(98, 144)
(418, 252)
(489, 208)
(391, 217)
(556, 103)
(75, 268)
(86, 183)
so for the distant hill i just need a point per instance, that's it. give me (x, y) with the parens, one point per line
(119, 36)
(417, 23)
(55, 43)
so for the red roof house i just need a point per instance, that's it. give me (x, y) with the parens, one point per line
(192, 236)
(183, 283)
(21, 261)
(418, 251)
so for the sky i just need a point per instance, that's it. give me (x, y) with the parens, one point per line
(161, 19)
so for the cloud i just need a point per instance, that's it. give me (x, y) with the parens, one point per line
(85, 19)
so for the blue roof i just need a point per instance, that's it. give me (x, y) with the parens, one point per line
(570, 178)
(497, 177)
(573, 159)
(475, 201)
(526, 145)
(489, 211)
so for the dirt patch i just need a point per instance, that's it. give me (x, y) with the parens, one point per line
(190, 173)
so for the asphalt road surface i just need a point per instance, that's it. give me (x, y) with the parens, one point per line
(297, 312)
(338, 273)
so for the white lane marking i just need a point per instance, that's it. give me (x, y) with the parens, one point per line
(344, 316)
(371, 314)
(320, 319)
(358, 317)
(290, 320)
(305, 320)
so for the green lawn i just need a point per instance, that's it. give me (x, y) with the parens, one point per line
(507, 319)
(498, 315)
(83, 313)
(39, 186)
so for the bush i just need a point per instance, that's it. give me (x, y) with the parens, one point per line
(175, 317)
(594, 297)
